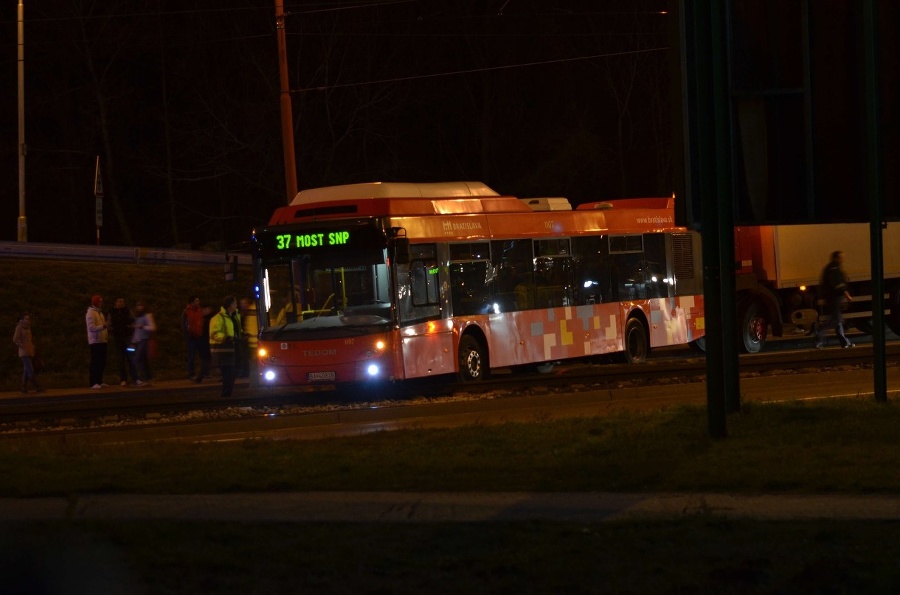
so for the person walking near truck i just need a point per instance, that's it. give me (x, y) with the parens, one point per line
(834, 294)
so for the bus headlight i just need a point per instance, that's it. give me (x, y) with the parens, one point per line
(269, 375)
(373, 370)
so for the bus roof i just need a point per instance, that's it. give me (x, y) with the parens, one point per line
(370, 190)
(395, 199)
(423, 209)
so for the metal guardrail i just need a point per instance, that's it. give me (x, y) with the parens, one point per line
(118, 254)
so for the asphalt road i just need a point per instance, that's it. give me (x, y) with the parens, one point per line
(477, 507)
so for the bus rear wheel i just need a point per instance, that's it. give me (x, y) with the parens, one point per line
(472, 359)
(637, 344)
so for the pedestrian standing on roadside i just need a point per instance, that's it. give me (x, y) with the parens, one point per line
(203, 352)
(144, 327)
(192, 329)
(834, 292)
(22, 337)
(224, 329)
(121, 322)
(97, 335)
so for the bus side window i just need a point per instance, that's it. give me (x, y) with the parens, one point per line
(553, 273)
(553, 278)
(514, 261)
(469, 291)
(591, 270)
(656, 267)
(505, 295)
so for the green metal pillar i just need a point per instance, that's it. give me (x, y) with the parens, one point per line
(874, 191)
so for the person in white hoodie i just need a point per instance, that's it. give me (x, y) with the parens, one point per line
(98, 335)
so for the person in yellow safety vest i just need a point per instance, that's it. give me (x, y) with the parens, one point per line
(224, 332)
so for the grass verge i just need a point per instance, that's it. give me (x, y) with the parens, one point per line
(846, 446)
(841, 446)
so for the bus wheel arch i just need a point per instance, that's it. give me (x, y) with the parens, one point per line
(472, 357)
(636, 339)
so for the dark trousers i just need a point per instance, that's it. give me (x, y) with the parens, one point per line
(227, 379)
(836, 322)
(124, 360)
(195, 350)
(141, 361)
(28, 372)
(98, 363)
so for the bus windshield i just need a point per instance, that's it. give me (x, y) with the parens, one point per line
(313, 292)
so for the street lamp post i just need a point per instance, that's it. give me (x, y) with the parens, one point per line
(287, 118)
(23, 221)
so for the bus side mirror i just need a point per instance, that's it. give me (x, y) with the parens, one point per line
(401, 250)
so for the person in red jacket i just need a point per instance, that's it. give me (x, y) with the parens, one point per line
(192, 328)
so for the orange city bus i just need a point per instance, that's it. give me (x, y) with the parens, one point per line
(392, 281)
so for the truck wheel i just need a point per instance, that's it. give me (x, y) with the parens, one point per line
(637, 345)
(754, 326)
(472, 359)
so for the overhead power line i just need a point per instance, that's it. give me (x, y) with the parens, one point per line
(473, 70)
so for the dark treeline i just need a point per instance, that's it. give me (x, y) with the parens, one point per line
(181, 103)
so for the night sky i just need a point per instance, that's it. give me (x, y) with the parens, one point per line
(559, 98)
(566, 98)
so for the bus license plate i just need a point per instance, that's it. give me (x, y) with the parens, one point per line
(320, 376)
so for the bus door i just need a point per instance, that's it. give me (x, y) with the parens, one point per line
(426, 340)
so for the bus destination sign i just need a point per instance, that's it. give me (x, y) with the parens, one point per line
(291, 241)
(286, 243)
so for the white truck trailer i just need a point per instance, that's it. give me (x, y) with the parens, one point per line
(779, 268)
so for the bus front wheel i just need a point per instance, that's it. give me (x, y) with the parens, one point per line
(472, 359)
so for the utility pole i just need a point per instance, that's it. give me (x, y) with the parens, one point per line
(287, 117)
(23, 221)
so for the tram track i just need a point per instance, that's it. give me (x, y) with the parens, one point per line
(178, 409)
